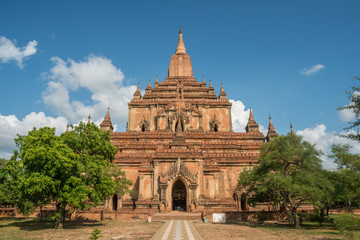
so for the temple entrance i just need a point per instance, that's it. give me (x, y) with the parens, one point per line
(115, 202)
(244, 202)
(178, 195)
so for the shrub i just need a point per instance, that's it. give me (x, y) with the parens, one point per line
(346, 224)
(260, 216)
(317, 216)
(95, 234)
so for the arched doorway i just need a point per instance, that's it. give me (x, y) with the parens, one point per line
(178, 195)
(115, 202)
(244, 202)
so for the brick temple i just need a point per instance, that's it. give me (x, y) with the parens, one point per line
(179, 149)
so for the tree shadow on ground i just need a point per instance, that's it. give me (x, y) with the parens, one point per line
(36, 224)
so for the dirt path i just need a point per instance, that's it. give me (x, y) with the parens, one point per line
(178, 230)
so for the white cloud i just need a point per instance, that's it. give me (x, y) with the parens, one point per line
(99, 77)
(10, 126)
(240, 117)
(9, 51)
(323, 141)
(312, 70)
(346, 115)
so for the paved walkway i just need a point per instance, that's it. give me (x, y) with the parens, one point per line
(177, 230)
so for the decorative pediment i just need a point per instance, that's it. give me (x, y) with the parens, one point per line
(179, 169)
(144, 125)
(214, 124)
(182, 116)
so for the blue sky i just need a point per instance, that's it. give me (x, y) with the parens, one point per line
(259, 50)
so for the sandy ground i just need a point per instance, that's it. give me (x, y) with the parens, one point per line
(239, 232)
(129, 230)
(138, 229)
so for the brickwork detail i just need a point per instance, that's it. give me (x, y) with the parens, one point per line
(180, 130)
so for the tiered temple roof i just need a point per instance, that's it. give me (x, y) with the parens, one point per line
(180, 86)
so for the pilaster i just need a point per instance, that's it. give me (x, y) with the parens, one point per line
(156, 181)
(141, 186)
(201, 179)
(216, 178)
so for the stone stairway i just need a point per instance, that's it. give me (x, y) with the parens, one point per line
(177, 215)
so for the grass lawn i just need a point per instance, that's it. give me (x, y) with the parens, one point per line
(19, 228)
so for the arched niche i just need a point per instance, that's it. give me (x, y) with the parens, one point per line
(179, 196)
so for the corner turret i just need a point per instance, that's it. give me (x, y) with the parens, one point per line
(271, 131)
(252, 126)
(156, 81)
(148, 88)
(203, 83)
(137, 93)
(106, 125)
(222, 94)
(211, 88)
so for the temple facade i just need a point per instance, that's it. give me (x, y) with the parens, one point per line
(179, 149)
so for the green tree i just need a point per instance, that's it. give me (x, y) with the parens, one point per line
(74, 170)
(3, 162)
(354, 98)
(10, 176)
(10, 172)
(96, 153)
(288, 172)
(348, 175)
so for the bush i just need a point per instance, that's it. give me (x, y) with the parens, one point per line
(317, 216)
(346, 224)
(260, 216)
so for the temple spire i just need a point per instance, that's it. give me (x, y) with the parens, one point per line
(180, 49)
(106, 125)
(271, 131)
(211, 88)
(222, 94)
(251, 117)
(137, 93)
(271, 126)
(107, 116)
(203, 83)
(148, 88)
(292, 133)
(89, 118)
(67, 127)
(210, 85)
(252, 125)
(180, 63)
(156, 81)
